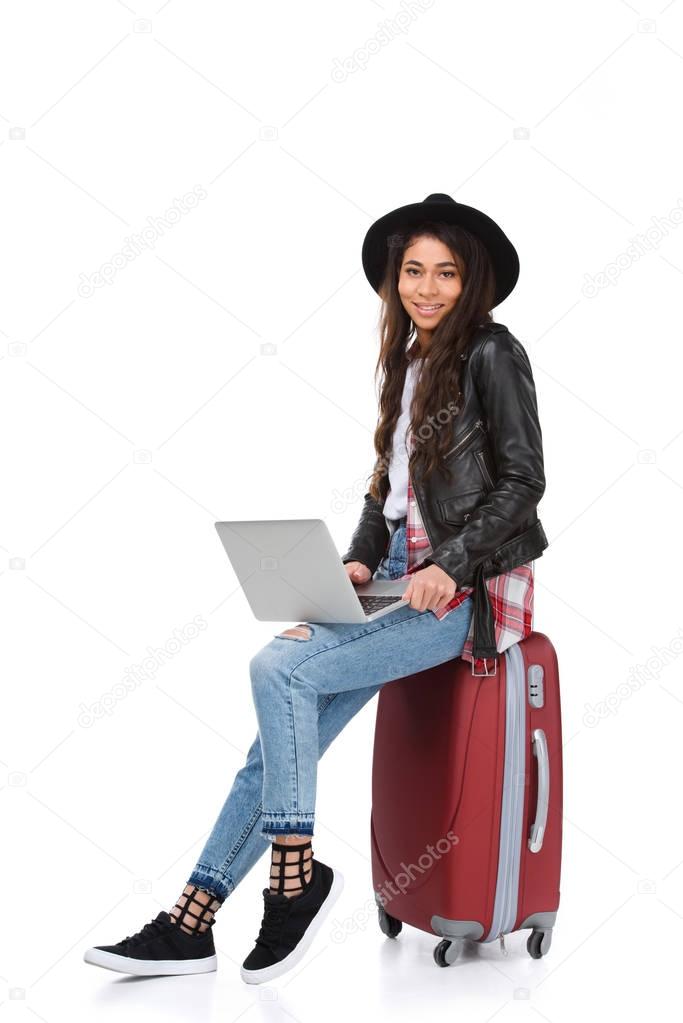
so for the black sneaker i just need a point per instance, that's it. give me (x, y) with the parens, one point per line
(161, 948)
(290, 923)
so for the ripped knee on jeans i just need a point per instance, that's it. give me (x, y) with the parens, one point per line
(301, 631)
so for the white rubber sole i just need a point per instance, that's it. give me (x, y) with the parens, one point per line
(298, 953)
(149, 967)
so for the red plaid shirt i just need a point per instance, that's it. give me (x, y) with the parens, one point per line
(511, 594)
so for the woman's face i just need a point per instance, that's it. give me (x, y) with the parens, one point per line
(429, 284)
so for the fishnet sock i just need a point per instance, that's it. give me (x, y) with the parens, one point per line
(194, 911)
(294, 858)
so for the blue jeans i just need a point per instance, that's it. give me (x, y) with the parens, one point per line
(305, 691)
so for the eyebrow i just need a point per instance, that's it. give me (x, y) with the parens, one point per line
(418, 263)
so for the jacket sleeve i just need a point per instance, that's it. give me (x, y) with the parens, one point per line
(371, 535)
(504, 381)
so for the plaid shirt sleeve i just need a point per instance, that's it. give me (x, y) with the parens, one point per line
(511, 594)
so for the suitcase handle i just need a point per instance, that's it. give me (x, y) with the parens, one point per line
(540, 748)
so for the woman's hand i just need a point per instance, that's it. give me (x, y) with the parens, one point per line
(430, 588)
(357, 572)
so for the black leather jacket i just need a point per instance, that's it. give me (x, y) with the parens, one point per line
(484, 521)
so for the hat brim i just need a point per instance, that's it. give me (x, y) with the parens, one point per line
(503, 253)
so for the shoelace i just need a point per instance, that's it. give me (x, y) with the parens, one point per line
(273, 919)
(150, 930)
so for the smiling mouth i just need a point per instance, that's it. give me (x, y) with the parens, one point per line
(428, 308)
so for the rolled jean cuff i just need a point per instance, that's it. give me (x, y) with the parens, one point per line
(274, 825)
(219, 885)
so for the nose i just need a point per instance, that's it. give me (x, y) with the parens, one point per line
(427, 288)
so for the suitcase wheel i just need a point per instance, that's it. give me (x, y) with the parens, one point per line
(538, 942)
(389, 925)
(446, 952)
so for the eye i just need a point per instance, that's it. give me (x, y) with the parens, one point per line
(412, 269)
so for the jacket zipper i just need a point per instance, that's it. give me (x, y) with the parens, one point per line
(463, 440)
(479, 455)
(424, 521)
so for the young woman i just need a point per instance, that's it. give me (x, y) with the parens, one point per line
(451, 507)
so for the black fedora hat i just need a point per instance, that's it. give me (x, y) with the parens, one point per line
(440, 206)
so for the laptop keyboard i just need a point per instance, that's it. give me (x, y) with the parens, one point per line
(371, 602)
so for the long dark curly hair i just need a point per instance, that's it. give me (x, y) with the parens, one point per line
(437, 393)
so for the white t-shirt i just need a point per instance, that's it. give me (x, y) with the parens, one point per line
(396, 504)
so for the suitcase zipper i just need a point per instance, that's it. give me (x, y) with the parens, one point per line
(507, 882)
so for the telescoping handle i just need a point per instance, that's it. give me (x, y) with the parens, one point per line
(540, 748)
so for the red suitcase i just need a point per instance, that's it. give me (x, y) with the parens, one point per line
(466, 823)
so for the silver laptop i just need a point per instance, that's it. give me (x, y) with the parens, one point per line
(290, 569)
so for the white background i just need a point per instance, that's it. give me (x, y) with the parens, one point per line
(135, 416)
